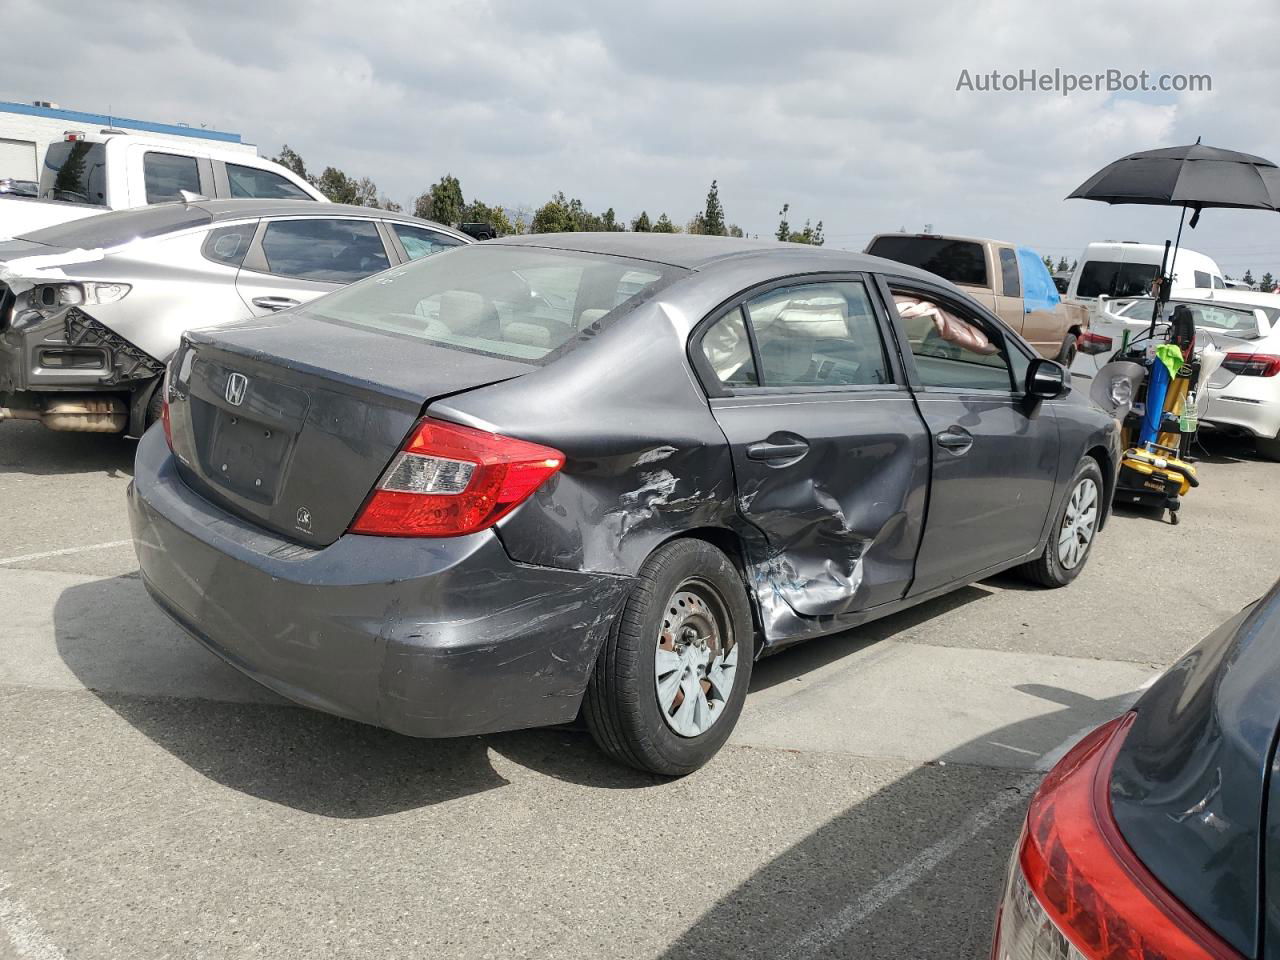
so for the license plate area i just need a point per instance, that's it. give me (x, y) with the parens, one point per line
(246, 456)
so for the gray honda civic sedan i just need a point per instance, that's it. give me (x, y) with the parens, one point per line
(600, 474)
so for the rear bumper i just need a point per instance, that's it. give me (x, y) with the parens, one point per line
(431, 638)
(1247, 404)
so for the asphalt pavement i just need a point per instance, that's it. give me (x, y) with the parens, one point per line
(155, 803)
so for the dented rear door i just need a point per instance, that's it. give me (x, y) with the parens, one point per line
(830, 454)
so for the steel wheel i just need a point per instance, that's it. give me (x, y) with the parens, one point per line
(1078, 524)
(695, 661)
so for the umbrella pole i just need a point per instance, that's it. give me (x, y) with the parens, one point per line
(1166, 271)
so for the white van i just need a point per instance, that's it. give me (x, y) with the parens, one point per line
(1123, 270)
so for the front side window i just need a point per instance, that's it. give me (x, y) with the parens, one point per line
(1009, 273)
(167, 175)
(328, 250)
(517, 302)
(419, 242)
(252, 182)
(1218, 284)
(818, 335)
(1201, 278)
(952, 348)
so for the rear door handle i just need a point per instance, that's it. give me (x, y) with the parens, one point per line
(275, 303)
(765, 450)
(955, 439)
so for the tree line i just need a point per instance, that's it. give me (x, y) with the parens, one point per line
(445, 203)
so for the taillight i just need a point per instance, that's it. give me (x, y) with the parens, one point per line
(164, 409)
(1076, 890)
(1252, 364)
(449, 480)
(1092, 343)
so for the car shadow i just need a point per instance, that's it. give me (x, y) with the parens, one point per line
(903, 871)
(913, 870)
(793, 661)
(1224, 448)
(231, 730)
(31, 448)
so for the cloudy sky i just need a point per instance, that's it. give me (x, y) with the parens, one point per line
(846, 111)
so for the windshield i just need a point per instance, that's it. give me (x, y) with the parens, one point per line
(960, 261)
(1113, 279)
(516, 302)
(75, 171)
(120, 227)
(1236, 321)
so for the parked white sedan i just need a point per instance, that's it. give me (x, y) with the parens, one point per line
(1244, 394)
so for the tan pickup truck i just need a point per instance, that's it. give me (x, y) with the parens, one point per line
(1010, 281)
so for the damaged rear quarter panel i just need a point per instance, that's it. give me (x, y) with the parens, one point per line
(645, 459)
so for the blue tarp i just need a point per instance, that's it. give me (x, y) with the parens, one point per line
(1038, 291)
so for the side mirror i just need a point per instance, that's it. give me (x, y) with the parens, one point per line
(1047, 379)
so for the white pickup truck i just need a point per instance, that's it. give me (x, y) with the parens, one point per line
(83, 176)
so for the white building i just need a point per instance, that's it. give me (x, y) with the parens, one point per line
(27, 129)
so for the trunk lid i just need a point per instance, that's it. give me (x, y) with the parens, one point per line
(290, 420)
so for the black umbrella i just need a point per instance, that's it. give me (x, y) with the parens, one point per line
(1195, 177)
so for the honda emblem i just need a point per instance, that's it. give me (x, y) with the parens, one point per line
(237, 384)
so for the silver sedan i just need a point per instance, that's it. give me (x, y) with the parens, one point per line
(91, 310)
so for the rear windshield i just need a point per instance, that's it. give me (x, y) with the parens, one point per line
(517, 302)
(1238, 321)
(121, 226)
(1113, 279)
(75, 171)
(960, 261)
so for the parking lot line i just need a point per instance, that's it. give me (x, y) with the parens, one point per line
(44, 555)
(22, 930)
(816, 941)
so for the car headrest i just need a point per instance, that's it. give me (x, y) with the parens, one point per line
(588, 317)
(529, 334)
(813, 320)
(462, 311)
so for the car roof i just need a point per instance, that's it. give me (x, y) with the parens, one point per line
(698, 252)
(222, 210)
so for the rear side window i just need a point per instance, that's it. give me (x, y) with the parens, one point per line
(228, 245)
(1114, 279)
(252, 182)
(1009, 273)
(167, 175)
(419, 242)
(1039, 288)
(817, 335)
(334, 251)
(74, 171)
(960, 261)
(728, 351)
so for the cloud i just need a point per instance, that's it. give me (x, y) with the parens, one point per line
(851, 115)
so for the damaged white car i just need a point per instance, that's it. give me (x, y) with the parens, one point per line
(91, 310)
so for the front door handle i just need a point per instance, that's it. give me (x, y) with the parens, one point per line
(955, 439)
(787, 450)
(275, 303)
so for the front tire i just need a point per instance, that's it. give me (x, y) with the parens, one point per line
(1074, 531)
(671, 678)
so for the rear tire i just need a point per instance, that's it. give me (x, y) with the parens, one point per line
(1061, 561)
(1268, 448)
(689, 601)
(155, 407)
